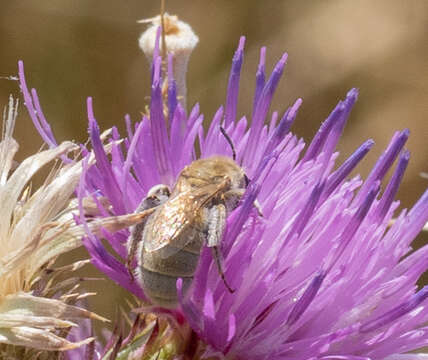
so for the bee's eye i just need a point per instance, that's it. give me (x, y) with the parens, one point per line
(247, 180)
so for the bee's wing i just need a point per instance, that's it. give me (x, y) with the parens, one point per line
(179, 221)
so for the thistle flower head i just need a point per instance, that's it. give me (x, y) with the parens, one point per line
(35, 228)
(324, 274)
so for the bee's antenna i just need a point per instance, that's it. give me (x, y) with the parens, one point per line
(229, 140)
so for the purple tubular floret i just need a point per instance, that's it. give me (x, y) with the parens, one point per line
(392, 188)
(260, 78)
(345, 169)
(262, 108)
(353, 225)
(315, 147)
(397, 312)
(158, 127)
(306, 213)
(46, 127)
(100, 257)
(107, 179)
(233, 85)
(283, 127)
(31, 102)
(172, 90)
(384, 163)
(337, 129)
(244, 211)
(305, 300)
(155, 52)
(418, 216)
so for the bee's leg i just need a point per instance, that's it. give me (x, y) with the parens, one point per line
(156, 196)
(132, 244)
(232, 198)
(216, 225)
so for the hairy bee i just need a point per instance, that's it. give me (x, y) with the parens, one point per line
(167, 244)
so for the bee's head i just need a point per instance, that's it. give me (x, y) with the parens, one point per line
(215, 170)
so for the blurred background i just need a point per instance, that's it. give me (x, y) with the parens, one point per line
(78, 48)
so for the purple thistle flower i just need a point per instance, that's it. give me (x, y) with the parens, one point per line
(327, 273)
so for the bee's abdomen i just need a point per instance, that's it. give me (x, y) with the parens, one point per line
(159, 276)
(161, 289)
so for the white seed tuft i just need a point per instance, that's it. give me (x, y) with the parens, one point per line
(180, 40)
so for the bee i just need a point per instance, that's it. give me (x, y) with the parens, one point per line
(168, 242)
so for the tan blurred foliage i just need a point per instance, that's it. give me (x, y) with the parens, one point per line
(78, 48)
